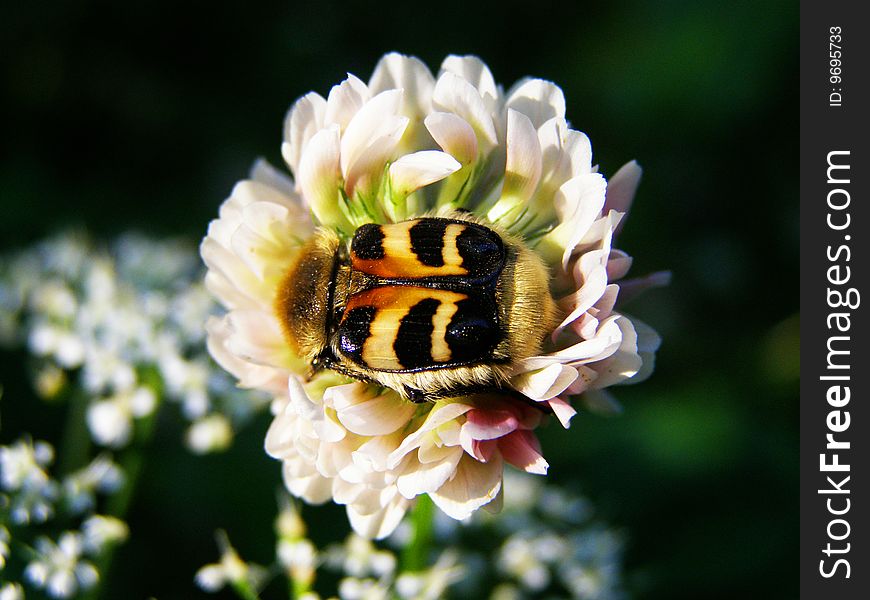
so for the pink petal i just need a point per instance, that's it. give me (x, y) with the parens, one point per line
(585, 377)
(601, 402)
(618, 264)
(605, 343)
(563, 411)
(632, 288)
(523, 450)
(442, 413)
(481, 450)
(621, 189)
(604, 307)
(489, 424)
(624, 362)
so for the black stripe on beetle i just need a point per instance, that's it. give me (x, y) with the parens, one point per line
(481, 250)
(368, 242)
(427, 241)
(473, 332)
(355, 330)
(413, 344)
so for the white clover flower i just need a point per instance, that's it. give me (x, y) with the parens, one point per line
(4, 546)
(100, 531)
(300, 558)
(111, 420)
(517, 558)
(101, 475)
(119, 322)
(506, 591)
(11, 591)
(22, 471)
(51, 339)
(59, 567)
(406, 144)
(231, 570)
(209, 434)
(359, 557)
(432, 583)
(351, 588)
(289, 523)
(23, 464)
(50, 381)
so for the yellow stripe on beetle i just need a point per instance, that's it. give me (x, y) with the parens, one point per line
(393, 303)
(401, 262)
(440, 320)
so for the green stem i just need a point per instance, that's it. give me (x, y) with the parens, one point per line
(75, 444)
(415, 557)
(132, 462)
(244, 590)
(298, 588)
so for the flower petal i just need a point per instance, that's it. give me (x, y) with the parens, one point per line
(601, 402)
(605, 343)
(375, 120)
(380, 524)
(545, 383)
(473, 485)
(250, 375)
(303, 120)
(523, 450)
(621, 189)
(344, 101)
(365, 415)
(566, 153)
(474, 71)
(454, 94)
(424, 478)
(265, 173)
(454, 135)
(440, 414)
(632, 288)
(257, 338)
(523, 164)
(488, 424)
(413, 171)
(409, 74)
(323, 427)
(319, 177)
(618, 264)
(624, 362)
(563, 411)
(538, 99)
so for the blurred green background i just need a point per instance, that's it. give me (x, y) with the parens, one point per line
(144, 114)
